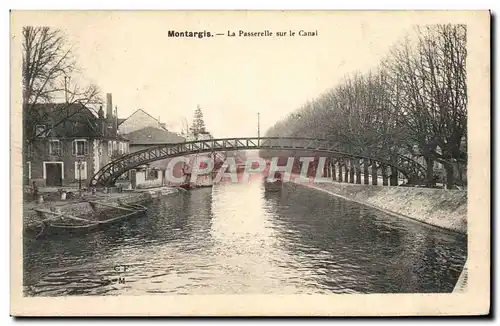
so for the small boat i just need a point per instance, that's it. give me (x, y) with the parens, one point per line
(204, 186)
(274, 185)
(186, 186)
(60, 223)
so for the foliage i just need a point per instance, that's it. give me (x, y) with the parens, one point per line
(198, 126)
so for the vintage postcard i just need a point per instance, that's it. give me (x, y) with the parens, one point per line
(250, 163)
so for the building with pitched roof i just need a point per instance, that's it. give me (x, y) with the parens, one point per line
(154, 173)
(138, 120)
(66, 143)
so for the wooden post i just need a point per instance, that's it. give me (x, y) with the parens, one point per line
(358, 171)
(394, 176)
(374, 173)
(384, 175)
(365, 171)
(340, 170)
(351, 171)
(334, 177)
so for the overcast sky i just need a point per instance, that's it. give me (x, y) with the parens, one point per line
(131, 56)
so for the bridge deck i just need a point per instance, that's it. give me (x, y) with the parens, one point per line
(109, 173)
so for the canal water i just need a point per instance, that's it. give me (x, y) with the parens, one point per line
(236, 238)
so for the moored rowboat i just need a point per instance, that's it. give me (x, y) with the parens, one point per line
(273, 186)
(59, 223)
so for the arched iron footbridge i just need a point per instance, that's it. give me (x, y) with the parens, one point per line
(351, 163)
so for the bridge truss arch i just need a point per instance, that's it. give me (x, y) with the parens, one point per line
(108, 174)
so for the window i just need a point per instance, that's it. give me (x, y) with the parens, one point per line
(76, 126)
(110, 147)
(29, 149)
(80, 170)
(114, 146)
(80, 147)
(55, 147)
(41, 131)
(151, 174)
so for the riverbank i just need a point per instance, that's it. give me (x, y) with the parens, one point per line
(82, 207)
(446, 209)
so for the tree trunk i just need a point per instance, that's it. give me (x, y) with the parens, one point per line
(450, 176)
(374, 174)
(429, 163)
(334, 177)
(384, 175)
(351, 171)
(394, 176)
(365, 171)
(462, 173)
(346, 174)
(358, 171)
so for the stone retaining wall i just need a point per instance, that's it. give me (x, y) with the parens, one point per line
(461, 285)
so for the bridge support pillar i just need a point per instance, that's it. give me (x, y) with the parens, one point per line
(394, 176)
(384, 175)
(351, 170)
(334, 177)
(366, 179)
(374, 173)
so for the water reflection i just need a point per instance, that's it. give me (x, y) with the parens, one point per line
(236, 238)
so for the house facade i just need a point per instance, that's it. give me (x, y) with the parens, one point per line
(138, 120)
(65, 144)
(153, 174)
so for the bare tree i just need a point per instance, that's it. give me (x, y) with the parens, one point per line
(185, 125)
(48, 65)
(431, 79)
(443, 51)
(414, 104)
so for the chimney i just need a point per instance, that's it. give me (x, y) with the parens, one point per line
(109, 107)
(102, 122)
(116, 118)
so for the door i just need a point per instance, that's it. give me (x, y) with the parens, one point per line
(53, 174)
(80, 171)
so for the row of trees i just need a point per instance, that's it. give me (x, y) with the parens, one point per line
(414, 103)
